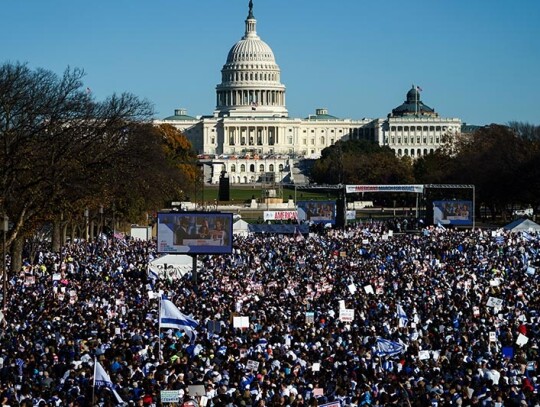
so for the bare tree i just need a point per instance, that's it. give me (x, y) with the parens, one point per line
(58, 144)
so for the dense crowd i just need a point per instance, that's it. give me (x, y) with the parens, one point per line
(460, 310)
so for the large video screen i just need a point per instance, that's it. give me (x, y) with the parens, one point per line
(194, 232)
(317, 211)
(453, 213)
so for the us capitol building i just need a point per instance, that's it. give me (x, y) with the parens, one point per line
(251, 136)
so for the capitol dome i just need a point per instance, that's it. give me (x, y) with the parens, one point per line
(250, 79)
(413, 106)
(250, 49)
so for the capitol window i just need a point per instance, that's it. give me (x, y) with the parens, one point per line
(271, 168)
(233, 168)
(243, 168)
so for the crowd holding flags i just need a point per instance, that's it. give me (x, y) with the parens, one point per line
(402, 316)
(171, 317)
(384, 347)
(102, 379)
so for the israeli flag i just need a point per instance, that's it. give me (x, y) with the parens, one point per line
(263, 343)
(403, 319)
(101, 378)
(440, 226)
(172, 317)
(222, 350)
(384, 347)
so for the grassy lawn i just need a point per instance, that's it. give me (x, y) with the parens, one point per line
(242, 195)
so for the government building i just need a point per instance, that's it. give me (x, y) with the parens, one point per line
(251, 137)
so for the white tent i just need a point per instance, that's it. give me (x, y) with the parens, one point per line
(523, 225)
(240, 228)
(171, 266)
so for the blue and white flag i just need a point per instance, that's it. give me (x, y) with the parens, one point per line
(388, 365)
(440, 226)
(262, 343)
(172, 317)
(101, 378)
(384, 347)
(403, 319)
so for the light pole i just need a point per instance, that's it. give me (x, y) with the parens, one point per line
(100, 219)
(86, 214)
(5, 226)
(113, 220)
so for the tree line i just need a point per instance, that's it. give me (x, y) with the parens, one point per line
(502, 161)
(63, 152)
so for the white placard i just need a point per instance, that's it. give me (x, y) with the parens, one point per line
(342, 304)
(346, 315)
(241, 322)
(423, 354)
(369, 289)
(252, 365)
(494, 302)
(492, 336)
(495, 282)
(352, 288)
(521, 340)
(316, 367)
(170, 396)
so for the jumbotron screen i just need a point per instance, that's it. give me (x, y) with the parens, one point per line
(194, 232)
(317, 211)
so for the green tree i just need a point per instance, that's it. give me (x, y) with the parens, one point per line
(494, 159)
(361, 162)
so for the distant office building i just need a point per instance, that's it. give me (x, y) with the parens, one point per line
(250, 134)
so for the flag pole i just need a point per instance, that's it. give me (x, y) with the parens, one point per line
(159, 330)
(416, 100)
(94, 384)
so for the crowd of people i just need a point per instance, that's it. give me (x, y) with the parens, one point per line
(354, 317)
